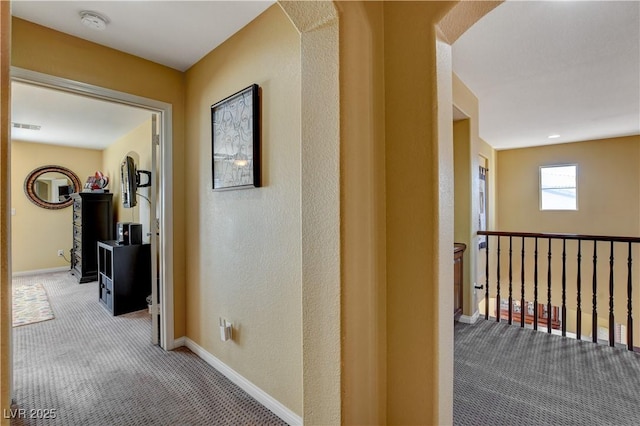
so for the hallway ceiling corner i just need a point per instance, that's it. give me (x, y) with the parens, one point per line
(172, 33)
(541, 68)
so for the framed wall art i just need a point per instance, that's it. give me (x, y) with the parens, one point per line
(235, 141)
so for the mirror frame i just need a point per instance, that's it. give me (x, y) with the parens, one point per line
(36, 173)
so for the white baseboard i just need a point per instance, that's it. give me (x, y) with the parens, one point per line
(40, 271)
(466, 319)
(261, 396)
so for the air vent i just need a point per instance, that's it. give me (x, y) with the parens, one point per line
(25, 126)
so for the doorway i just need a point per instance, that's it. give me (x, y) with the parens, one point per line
(163, 226)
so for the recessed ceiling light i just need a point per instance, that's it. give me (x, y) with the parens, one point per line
(93, 20)
(554, 136)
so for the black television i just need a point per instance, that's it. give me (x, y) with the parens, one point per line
(130, 181)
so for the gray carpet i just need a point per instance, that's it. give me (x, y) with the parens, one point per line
(505, 375)
(96, 369)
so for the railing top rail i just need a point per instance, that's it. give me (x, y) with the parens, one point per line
(562, 236)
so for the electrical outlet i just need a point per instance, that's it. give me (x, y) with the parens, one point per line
(60, 253)
(226, 329)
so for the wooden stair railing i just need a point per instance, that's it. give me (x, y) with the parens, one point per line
(545, 314)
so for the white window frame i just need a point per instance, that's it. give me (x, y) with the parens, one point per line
(540, 189)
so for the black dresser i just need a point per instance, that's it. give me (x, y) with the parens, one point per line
(92, 221)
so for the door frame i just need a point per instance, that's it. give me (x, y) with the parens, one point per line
(167, 339)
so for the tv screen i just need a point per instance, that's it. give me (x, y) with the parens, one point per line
(128, 180)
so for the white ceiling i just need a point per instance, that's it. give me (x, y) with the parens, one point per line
(69, 119)
(537, 67)
(541, 68)
(173, 33)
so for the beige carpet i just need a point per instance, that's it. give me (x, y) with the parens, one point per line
(507, 375)
(95, 369)
(30, 304)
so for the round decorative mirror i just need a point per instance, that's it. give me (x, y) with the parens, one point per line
(51, 187)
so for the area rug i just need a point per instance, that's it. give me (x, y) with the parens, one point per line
(30, 304)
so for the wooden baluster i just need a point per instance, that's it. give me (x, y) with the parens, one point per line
(486, 286)
(564, 287)
(549, 288)
(594, 313)
(612, 322)
(510, 281)
(629, 304)
(535, 286)
(498, 310)
(579, 285)
(522, 301)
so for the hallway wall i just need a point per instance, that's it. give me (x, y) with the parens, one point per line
(244, 252)
(38, 233)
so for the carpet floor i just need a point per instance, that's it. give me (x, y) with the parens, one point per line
(96, 369)
(505, 375)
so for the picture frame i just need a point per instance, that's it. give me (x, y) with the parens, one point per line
(235, 140)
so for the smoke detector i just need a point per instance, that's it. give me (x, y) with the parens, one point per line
(93, 20)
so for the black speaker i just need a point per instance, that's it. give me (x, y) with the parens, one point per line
(135, 233)
(129, 233)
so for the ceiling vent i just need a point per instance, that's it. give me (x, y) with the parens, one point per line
(25, 126)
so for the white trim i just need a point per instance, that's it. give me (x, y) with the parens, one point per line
(179, 342)
(166, 185)
(258, 394)
(166, 231)
(41, 271)
(466, 319)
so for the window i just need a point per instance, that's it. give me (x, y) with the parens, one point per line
(558, 189)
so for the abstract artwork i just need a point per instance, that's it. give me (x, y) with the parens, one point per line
(235, 123)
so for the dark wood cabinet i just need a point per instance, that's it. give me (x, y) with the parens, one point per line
(458, 268)
(92, 221)
(124, 276)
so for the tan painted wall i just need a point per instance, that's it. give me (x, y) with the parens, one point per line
(53, 227)
(465, 195)
(317, 23)
(416, 201)
(462, 170)
(364, 229)
(468, 149)
(5, 202)
(38, 233)
(419, 181)
(608, 204)
(41, 49)
(608, 188)
(244, 252)
(420, 373)
(136, 143)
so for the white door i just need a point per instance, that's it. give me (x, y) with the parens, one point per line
(154, 230)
